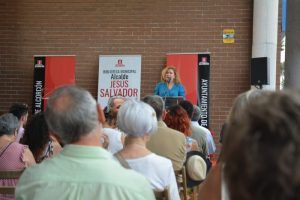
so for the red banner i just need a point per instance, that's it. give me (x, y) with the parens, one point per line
(194, 71)
(50, 72)
(186, 65)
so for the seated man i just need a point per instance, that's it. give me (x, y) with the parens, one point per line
(83, 170)
(198, 131)
(166, 142)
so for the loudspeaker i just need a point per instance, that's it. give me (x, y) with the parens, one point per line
(259, 71)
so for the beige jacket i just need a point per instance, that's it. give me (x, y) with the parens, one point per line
(168, 143)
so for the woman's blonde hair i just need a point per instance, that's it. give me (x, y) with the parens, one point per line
(164, 71)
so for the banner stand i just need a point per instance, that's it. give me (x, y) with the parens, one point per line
(194, 71)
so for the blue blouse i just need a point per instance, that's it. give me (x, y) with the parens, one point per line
(162, 90)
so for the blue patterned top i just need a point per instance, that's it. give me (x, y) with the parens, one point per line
(162, 90)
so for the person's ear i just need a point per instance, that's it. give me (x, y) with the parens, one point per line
(23, 119)
(101, 116)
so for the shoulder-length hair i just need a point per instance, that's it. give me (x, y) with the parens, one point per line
(178, 119)
(164, 71)
(36, 135)
(262, 145)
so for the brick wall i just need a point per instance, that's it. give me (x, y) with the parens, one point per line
(88, 28)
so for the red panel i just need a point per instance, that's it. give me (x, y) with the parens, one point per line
(186, 64)
(60, 70)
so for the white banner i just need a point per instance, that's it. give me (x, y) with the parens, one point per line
(119, 75)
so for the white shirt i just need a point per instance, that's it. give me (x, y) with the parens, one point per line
(211, 147)
(158, 170)
(115, 141)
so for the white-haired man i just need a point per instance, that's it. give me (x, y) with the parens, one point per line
(83, 170)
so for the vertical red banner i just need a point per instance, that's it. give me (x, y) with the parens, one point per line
(187, 65)
(50, 72)
(194, 71)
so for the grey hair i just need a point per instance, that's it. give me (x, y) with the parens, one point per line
(71, 113)
(111, 102)
(196, 114)
(137, 118)
(262, 142)
(244, 99)
(8, 124)
(157, 103)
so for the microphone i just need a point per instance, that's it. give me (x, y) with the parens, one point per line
(169, 80)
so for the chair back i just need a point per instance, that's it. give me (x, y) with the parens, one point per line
(9, 175)
(181, 182)
(162, 194)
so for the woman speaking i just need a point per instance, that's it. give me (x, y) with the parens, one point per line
(170, 85)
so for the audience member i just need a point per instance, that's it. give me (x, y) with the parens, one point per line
(239, 104)
(177, 118)
(83, 170)
(166, 142)
(115, 136)
(111, 110)
(13, 156)
(138, 120)
(37, 136)
(266, 137)
(214, 187)
(20, 110)
(197, 130)
(197, 166)
(197, 133)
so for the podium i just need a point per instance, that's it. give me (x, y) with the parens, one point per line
(170, 101)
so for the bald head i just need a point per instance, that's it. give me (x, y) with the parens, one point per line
(71, 113)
